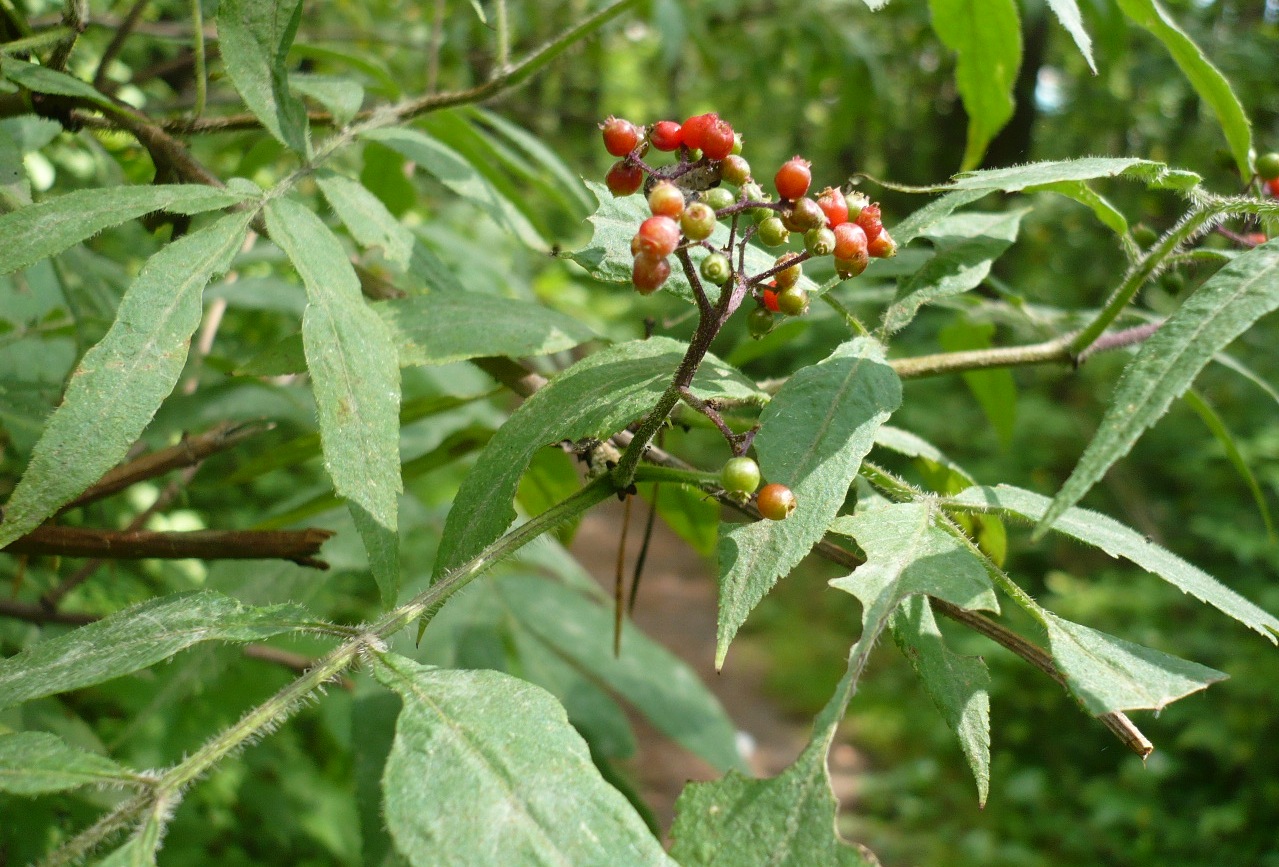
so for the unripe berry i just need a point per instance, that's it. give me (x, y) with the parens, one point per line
(787, 277)
(752, 191)
(850, 241)
(737, 142)
(740, 476)
(1268, 166)
(759, 322)
(834, 206)
(698, 221)
(853, 266)
(775, 502)
(869, 220)
(666, 199)
(803, 215)
(819, 242)
(793, 178)
(623, 179)
(735, 170)
(620, 136)
(649, 272)
(855, 202)
(658, 236)
(772, 233)
(719, 198)
(793, 301)
(717, 143)
(696, 128)
(666, 135)
(717, 269)
(882, 246)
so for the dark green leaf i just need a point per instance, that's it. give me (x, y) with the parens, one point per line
(135, 638)
(254, 37)
(485, 769)
(42, 79)
(814, 434)
(1226, 439)
(121, 381)
(356, 381)
(33, 763)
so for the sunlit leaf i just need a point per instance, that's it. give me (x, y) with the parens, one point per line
(254, 38)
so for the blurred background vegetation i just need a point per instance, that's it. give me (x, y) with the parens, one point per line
(855, 92)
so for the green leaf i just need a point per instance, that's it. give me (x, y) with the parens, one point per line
(995, 390)
(914, 225)
(596, 397)
(1108, 214)
(355, 377)
(34, 763)
(485, 769)
(341, 96)
(135, 638)
(1010, 180)
(1215, 314)
(42, 79)
(560, 181)
(1120, 541)
(1219, 430)
(958, 685)
(1109, 674)
(47, 228)
(608, 255)
(649, 677)
(1207, 80)
(986, 36)
(1067, 12)
(141, 848)
(441, 328)
(966, 245)
(366, 218)
(121, 381)
(814, 434)
(452, 170)
(254, 37)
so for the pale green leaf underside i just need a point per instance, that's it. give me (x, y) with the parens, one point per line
(1117, 540)
(254, 38)
(1067, 12)
(341, 96)
(355, 378)
(1109, 674)
(596, 397)
(814, 434)
(1016, 178)
(485, 769)
(34, 763)
(1165, 366)
(366, 218)
(121, 382)
(49, 227)
(136, 638)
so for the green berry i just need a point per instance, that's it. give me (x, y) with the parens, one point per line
(772, 233)
(789, 276)
(819, 242)
(759, 322)
(1268, 166)
(719, 198)
(717, 269)
(697, 221)
(803, 215)
(740, 476)
(735, 170)
(855, 202)
(793, 301)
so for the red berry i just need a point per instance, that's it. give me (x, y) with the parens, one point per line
(850, 241)
(649, 272)
(696, 128)
(1256, 239)
(882, 246)
(793, 178)
(624, 178)
(775, 502)
(620, 136)
(658, 236)
(834, 206)
(666, 199)
(853, 266)
(869, 220)
(1272, 186)
(718, 140)
(666, 135)
(770, 300)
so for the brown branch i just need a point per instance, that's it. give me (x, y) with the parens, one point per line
(299, 546)
(117, 42)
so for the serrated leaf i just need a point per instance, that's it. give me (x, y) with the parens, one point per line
(958, 685)
(986, 37)
(140, 850)
(452, 170)
(920, 220)
(366, 218)
(995, 390)
(49, 227)
(1119, 541)
(341, 96)
(355, 378)
(597, 397)
(1067, 12)
(1109, 674)
(441, 328)
(485, 769)
(1207, 80)
(1108, 214)
(1015, 178)
(34, 763)
(121, 382)
(966, 245)
(1226, 439)
(135, 638)
(254, 37)
(1215, 314)
(607, 256)
(646, 675)
(43, 79)
(813, 436)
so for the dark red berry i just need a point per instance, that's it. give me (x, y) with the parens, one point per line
(620, 136)
(834, 206)
(666, 135)
(882, 246)
(718, 140)
(624, 179)
(853, 266)
(850, 241)
(696, 128)
(649, 272)
(775, 502)
(658, 236)
(869, 220)
(793, 178)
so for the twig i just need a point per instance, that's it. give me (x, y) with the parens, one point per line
(117, 42)
(75, 18)
(295, 661)
(299, 546)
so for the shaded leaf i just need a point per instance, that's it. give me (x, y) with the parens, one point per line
(485, 769)
(254, 38)
(1217, 426)
(42, 79)
(597, 397)
(995, 390)
(141, 848)
(813, 436)
(356, 381)
(121, 381)
(135, 638)
(1119, 541)
(1216, 313)
(33, 763)
(366, 218)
